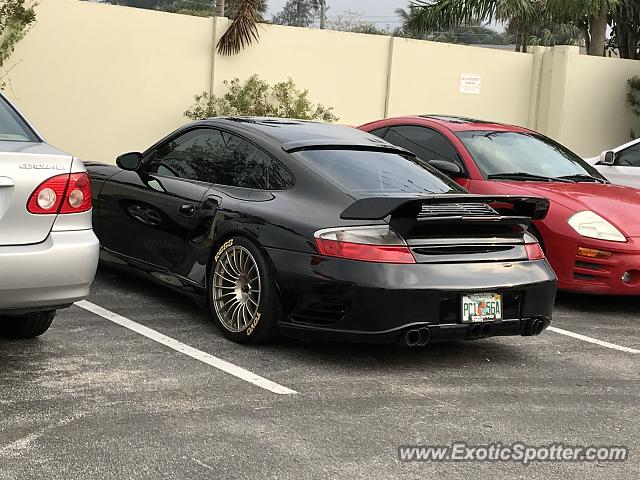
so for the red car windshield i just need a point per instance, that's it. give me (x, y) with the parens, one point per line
(522, 154)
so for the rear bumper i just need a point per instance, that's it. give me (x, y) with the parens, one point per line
(334, 299)
(54, 273)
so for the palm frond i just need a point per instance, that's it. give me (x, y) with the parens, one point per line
(446, 14)
(243, 31)
(564, 10)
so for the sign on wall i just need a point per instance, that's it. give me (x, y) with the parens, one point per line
(470, 83)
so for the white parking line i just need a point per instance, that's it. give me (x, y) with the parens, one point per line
(204, 357)
(593, 340)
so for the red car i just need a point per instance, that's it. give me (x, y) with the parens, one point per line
(591, 235)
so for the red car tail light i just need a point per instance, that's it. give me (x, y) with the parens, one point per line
(67, 193)
(369, 244)
(534, 251)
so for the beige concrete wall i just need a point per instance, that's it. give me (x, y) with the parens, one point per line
(347, 71)
(99, 80)
(426, 79)
(596, 114)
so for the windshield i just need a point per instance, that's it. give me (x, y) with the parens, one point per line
(510, 153)
(12, 127)
(382, 173)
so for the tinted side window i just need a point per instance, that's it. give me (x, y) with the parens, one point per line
(629, 157)
(208, 155)
(194, 155)
(247, 166)
(424, 142)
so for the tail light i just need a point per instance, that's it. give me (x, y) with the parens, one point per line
(534, 251)
(67, 193)
(369, 244)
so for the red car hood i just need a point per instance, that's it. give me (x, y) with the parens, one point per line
(615, 203)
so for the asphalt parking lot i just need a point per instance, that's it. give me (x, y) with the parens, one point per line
(93, 399)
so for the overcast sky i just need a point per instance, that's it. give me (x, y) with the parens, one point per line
(380, 12)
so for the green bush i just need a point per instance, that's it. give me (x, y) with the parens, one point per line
(256, 98)
(15, 19)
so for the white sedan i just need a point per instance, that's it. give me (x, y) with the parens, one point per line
(48, 251)
(620, 165)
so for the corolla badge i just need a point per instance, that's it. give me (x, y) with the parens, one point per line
(41, 166)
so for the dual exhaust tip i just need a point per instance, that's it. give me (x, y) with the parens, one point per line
(419, 337)
(483, 330)
(534, 327)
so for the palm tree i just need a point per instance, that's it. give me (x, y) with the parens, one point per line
(243, 31)
(626, 29)
(523, 15)
(446, 15)
(593, 14)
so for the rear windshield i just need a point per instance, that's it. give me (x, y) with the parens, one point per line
(12, 127)
(383, 173)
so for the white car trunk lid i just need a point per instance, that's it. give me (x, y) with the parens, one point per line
(23, 167)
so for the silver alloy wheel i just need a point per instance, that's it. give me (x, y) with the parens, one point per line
(236, 288)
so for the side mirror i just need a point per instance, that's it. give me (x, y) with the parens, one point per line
(607, 158)
(129, 161)
(450, 169)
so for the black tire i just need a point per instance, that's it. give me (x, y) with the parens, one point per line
(26, 326)
(263, 318)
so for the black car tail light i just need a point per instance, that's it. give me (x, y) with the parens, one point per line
(377, 243)
(534, 251)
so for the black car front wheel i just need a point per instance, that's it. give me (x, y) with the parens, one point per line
(243, 294)
(26, 326)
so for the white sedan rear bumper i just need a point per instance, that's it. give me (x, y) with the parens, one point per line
(54, 273)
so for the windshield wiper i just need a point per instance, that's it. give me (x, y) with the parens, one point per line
(527, 176)
(582, 177)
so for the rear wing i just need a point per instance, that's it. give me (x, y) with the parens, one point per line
(451, 208)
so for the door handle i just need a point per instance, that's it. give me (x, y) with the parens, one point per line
(187, 209)
(6, 182)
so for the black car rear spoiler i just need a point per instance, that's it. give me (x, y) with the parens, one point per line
(507, 208)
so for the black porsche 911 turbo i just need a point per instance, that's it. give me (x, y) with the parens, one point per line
(323, 232)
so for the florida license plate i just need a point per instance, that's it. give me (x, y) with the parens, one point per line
(481, 307)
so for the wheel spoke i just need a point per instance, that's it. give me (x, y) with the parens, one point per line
(224, 278)
(247, 260)
(228, 302)
(228, 270)
(245, 321)
(235, 263)
(238, 315)
(231, 312)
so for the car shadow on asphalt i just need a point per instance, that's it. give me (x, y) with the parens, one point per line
(597, 303)
(325, 353)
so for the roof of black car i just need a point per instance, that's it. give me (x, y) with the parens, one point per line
(300, 134)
